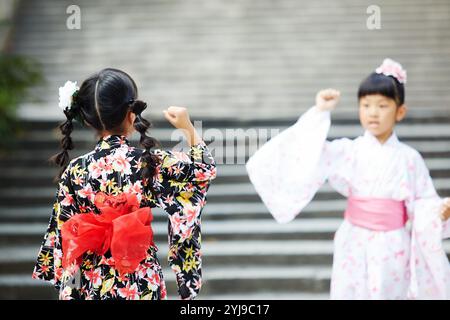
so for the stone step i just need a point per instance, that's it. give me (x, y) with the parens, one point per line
(242, 106)
(255, 63)
(267, 295)
(225, 171)
(255, 30)
(255, 35)
(25, 291)
(257, 229)
(213, 211)
(254, 22)
(287, 101)
(217, 193)
(262, 6)
(39, 158)
(243, 100)
(257, 18)
(285, 82)
(259, 66)
(242, 85)
(21, 259)
(405, 131)
(250, 229)
(311, 279)
(226, 280)
(314, 278)
(242, 96)
(231, 155)
(344, 115)
(42, 176)
(223, 192)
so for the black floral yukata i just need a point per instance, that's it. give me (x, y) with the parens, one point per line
(179, 187)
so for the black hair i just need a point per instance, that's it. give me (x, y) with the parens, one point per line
(102, 102)
(385, 85)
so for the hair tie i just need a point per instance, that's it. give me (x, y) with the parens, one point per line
(138, 106)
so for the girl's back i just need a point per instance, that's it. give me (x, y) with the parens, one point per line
(117, 178)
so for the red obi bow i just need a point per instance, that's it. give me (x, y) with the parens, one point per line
(121, 226)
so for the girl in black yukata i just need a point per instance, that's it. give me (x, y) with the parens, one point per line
(99, 241)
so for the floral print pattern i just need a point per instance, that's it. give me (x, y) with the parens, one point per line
(179, 187)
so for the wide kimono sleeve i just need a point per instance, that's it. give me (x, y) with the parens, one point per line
(430, 268)
(288, 170)
(185, 181)
(48, 266)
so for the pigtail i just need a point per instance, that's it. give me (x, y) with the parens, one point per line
(142, 125)
(61, 159)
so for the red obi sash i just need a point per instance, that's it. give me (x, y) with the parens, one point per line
(121, 226)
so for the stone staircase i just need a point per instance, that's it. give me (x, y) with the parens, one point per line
(237, 59)
(246, 253)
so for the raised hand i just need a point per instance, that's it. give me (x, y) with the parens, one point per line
(178, 117)
(326, 100)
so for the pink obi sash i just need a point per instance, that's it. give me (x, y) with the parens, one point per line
(375, 213)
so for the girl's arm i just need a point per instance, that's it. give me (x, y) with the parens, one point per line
(183, 198)
(183, 181)
(428, 206)
(197, 164)
(288, 170)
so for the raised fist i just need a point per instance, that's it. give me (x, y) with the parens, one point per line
(178, 117)
(327, 99)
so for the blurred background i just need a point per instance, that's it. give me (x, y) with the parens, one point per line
(236, 64)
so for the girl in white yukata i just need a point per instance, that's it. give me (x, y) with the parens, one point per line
(389, 245)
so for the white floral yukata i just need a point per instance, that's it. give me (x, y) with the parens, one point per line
(399, 264)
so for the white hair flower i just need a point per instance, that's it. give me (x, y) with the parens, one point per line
(390, 67)
(66, 94)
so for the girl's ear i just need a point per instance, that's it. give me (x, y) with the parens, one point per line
(401, 112)
(130, 117)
